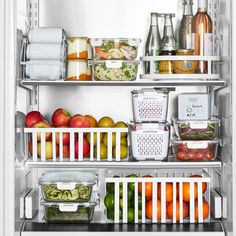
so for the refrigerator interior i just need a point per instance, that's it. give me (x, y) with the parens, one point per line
(104, 18)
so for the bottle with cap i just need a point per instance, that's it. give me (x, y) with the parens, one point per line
(202, 37)
(153, 44)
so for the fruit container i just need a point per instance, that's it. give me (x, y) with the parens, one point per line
(115, 48)
(195, 150)
(76, 212)
(78, 70)
(150, 105)
(67, 186)
(197, 130)
(77, 47)
(150, 141)
(114, 70)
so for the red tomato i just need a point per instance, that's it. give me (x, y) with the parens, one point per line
(209, 156)
(194, 151)
(204, 150)
(183, 147)
(181, 155)
(190, 156)
(199, 156)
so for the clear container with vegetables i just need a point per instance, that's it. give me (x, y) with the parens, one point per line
(76, 212)
(67, 186)
(197, 130)
(195, 150)
(115, 48)
(115, 70)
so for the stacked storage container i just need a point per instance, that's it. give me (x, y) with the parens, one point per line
(68, 196)
(115, 59)
(197, 131)
(45, 52)
(150, 131)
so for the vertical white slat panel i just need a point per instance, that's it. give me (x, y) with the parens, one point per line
(125, 202)
(54, 147)
(98, 146)
(26, 145)
(72, 146)
(109, 146)
(200, 198)
(61, 146)
(154, 202)
(209, 63)
(163, 202)
(136, 202)
(143, 201)
(43, 146)
(174, 202)
(117, 146)
(34, 146)
(191, 205)
(117, 202)
(80, 146)
(180, 202)
(91, 145)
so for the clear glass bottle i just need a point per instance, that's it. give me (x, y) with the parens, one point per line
(185, 30)
(168, 45)
(153, 44)
(202, 34)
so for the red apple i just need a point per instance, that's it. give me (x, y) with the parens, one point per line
(79, 121)
(65, 138)
(32, 118)
(66, 151)
(86, 149)
(60, 117)
(93, 122)
(43, 124)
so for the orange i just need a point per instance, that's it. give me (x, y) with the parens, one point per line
(169, 192)
(170, 210)
(204, 185)
(148, 187)
(149, 209)
(206, 209)
(186, 191)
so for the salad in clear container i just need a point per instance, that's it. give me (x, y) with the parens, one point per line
(197, 130)
(67, 186)
(115, 48)
(115, 70)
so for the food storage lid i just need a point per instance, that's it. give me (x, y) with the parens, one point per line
(113, 63)
(130, 41)
(151, 91)
(68, 177)
(73, 206)
(196, 144)
(149, 124)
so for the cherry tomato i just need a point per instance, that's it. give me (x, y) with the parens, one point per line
(181, 155)
(183, 147)
(199, 156)
(190, 155)
(194, 151)
(209, 156)
(205, 150)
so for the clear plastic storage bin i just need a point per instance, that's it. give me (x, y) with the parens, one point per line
(195, 150)
(67, 186)
(149, 140)
(115, 48)
(197, 130)
(57, 212)
(114, 70)
(150, 105)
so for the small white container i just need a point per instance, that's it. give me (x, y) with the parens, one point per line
(77, 48)
(78, 70)
(150, 105)
(194, 106)
(45, 70)
(150, 141)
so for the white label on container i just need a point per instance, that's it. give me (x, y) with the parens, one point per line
(197, 145)
(198, 124)
(68, 207)
(208, 45)
(66, 186)
(113, 64)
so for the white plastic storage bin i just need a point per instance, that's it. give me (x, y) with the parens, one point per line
(149, 140)
(150, 105)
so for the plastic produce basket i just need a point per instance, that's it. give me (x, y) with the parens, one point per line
(149, 140)
(61, 212)
(150, 105)
(197, 130)
(195, 150)
(67, 186)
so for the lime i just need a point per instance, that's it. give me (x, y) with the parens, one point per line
(121, 124)
(106, 122)
(140, 214)
(139, 201)
(131, 185)
(130, 215)
(109, 201)
(110, 187)
(111, 214)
